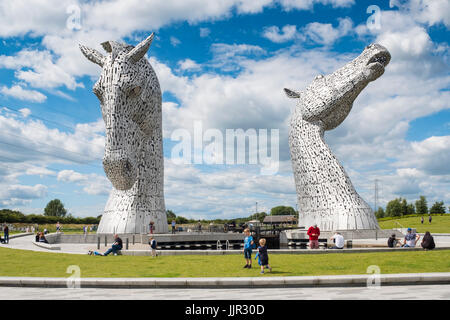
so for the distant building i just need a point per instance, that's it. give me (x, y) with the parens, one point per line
(280, 220)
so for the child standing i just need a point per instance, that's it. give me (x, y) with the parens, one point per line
(263, 255)
(248, 245)
(152, 243)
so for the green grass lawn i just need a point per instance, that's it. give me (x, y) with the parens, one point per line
(439, 224)
(41, 264)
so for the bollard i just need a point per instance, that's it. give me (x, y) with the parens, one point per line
(127, 244)
(98, 243)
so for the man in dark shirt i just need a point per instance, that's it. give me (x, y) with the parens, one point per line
(117, 245)
(6, 233)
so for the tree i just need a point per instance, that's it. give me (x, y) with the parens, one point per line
(170, 216)
(422, 205)
(181, 220)
(55, 208)
(282, 211)
(379, 213)
(410, 209)
(437, 207)
(394, 208)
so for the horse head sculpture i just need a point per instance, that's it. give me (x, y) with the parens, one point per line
(130, 100)
(325, 194)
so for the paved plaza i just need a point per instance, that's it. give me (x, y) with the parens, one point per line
(351, 293)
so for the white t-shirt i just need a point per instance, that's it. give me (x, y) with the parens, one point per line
(339, 240)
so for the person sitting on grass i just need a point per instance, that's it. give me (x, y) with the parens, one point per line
(428, 241)
(248, 245)
(263, 256)
(410, 239)
(117, 245)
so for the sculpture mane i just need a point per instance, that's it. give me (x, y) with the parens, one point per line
(130, 100)
(325, 194)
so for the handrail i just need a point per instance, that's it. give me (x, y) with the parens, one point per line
(227, 245)
(219, 245)
(399, 224)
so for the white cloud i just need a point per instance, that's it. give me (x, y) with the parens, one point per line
(309, 4)
(204, 32)
(38, 69)
(93, 184)
(325, 33)
(288, 32)
(21, 194)
(30, 140)
(174, 41)
(188, 64)
(25, 112)
(22, 94)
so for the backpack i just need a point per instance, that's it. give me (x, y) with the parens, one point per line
(153, 244)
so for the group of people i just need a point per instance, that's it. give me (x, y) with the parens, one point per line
(411, 239)
(262, 254)
(429, 219)
(314, 233)
(40, 237)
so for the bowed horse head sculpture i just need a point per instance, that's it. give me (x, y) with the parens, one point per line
(130, 100)
(325, 193)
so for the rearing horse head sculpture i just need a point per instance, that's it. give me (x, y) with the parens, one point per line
(130, 100)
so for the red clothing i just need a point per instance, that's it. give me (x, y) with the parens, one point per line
(312, 230)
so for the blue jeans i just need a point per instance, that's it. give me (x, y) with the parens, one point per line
(7, 237)
(113, 249)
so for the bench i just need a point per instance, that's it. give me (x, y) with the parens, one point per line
(303, 243)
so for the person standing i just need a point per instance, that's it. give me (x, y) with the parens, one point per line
(153, 245)
(263, 255)
(151, 226)
(58, 227)
(338, 241)
(429, 219)
(173, 226)
(6, 233)
(313, 233)
(248, 246)
(421, 220)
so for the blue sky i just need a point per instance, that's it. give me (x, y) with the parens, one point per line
(224, 64)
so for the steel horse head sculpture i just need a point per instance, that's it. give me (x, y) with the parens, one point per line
(130, 100)
(325, 194)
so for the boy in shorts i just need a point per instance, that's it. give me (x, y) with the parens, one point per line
(248, 245)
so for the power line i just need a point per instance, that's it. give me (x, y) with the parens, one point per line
(51, 154)
(47, 120)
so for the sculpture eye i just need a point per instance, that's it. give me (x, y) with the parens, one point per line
(99, 93)
(134, 92)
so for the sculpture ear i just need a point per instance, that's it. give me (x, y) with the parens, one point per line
(141, 49)
(291, 93)
(93, 55)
